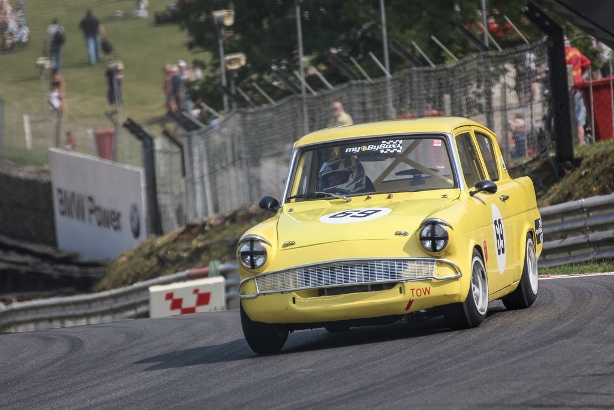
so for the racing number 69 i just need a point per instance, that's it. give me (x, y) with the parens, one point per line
(498, 226)
(355, 213)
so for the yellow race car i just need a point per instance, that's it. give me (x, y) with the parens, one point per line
(386, 220)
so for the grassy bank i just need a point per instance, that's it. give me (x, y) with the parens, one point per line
(139, 43)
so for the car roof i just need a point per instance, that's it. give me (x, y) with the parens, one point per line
(404, 126)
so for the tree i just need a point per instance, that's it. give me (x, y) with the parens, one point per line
(267, 34)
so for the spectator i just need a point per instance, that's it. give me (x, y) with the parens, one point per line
(525, 77)
(71, 143)
(56, 103)
(578, 63)
(198, 73)
(187, 78)
(341, 117)
(170, 101)
(140, 8)
(23, 35)
(93, 30)
(114, 76)
(519, 135)
(20, 8)
(54, 40)
(57, 77)
(57, 95)
(7, 38)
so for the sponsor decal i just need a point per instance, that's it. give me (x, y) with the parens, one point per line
(77, 206)
(383, 147)
(485, 247)
(135, 221)
(499, 234)
(539, 231)
(354, 215)
(437, 143)
(503, 164)
(419, 292)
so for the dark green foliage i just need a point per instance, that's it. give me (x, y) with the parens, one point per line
(267, 34)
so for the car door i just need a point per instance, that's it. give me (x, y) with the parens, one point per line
(504, 223)
(491, 209)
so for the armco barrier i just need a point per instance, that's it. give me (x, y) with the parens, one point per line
(577, 231)
(124, 303)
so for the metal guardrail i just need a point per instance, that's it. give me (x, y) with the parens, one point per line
(578, 231)
(129, 302)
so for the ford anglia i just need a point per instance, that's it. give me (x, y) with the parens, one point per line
(382, 221)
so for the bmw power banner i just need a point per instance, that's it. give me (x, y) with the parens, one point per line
(99, 205)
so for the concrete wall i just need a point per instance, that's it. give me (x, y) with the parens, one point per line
(26, 204)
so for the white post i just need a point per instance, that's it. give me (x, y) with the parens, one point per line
(391, 113)
(299, 31)
(28, 131)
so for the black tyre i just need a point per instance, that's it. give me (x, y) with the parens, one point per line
(526, 292)
(472, 311)
(263, 338)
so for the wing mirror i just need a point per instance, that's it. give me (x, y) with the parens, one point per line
(485, 185)
(269, 203)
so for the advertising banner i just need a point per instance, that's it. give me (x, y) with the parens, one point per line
(99, 205)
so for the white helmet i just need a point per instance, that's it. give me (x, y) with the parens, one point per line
(346, 174)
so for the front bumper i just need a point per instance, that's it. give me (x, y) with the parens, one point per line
(301, 294)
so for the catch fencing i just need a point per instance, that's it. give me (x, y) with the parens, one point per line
(236, 161)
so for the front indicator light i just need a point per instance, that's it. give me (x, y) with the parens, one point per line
(252, 254)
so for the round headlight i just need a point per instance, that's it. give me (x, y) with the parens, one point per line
(434, 237)
(252, 254)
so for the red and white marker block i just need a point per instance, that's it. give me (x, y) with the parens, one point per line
(184, 298)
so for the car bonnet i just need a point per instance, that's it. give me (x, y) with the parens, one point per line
(311, 223)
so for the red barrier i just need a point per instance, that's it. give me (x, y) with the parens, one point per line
(105, 142)
(602, 106)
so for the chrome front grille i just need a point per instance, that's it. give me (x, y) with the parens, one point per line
(345, 273)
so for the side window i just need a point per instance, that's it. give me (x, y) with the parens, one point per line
(305, 171)
(470, 162)
(488, 153)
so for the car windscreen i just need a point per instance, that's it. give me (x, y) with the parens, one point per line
(368, 166)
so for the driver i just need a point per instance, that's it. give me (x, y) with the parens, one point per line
(345, 175)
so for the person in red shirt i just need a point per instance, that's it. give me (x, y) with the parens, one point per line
(578, 63)
(71, 143)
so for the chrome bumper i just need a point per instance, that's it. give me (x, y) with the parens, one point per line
(347, 273)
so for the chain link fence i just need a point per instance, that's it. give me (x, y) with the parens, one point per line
(234, 161)
(246, 155)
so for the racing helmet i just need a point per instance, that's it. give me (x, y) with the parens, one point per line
(346, 174)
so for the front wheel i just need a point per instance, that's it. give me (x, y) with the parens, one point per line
(263, 338)
(472, 311)
(526, 292)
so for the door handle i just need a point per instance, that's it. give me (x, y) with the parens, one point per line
(504, 197)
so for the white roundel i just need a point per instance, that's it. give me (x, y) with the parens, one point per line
(354, 215)
(500, 242)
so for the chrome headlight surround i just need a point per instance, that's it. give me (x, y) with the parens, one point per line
(251, 252)
(433, 235)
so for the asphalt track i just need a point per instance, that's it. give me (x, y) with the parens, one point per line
(557, 354)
